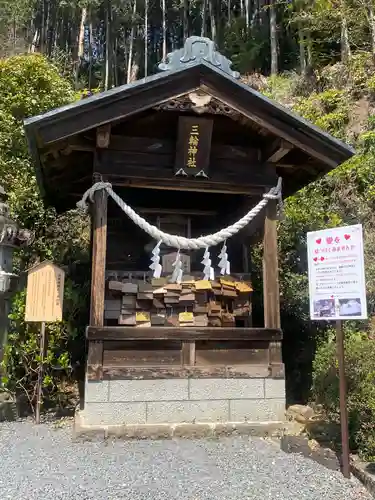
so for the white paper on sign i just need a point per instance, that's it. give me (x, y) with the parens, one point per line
(337, 285)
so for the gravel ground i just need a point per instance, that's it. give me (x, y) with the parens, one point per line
(44, 463)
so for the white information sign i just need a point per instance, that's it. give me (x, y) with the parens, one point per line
(337, 274)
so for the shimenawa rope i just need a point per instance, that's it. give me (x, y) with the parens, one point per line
(180, 242)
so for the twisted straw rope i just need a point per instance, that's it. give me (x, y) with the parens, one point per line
(180, 242)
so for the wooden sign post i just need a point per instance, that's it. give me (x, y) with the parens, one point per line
(44, 304)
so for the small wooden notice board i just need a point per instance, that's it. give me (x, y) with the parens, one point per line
(44, 303)
(45, 293)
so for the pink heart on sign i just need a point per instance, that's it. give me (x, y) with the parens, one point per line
(332, 297)
(347, 236)
(319, 240)
(322, 258)
(315, 259)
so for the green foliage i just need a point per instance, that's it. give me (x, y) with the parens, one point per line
(22, 353)
(279, 88)
(31, 85)
(246, 48)
(328, 110)
(344, 196)
(354, 76)
(360, 377)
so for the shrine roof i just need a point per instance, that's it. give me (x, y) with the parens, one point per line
(197, 66)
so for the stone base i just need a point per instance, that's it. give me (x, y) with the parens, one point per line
(8, 411)
(8, 407)
(168, 431)
(187, 400)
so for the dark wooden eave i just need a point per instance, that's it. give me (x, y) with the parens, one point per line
(117, 104)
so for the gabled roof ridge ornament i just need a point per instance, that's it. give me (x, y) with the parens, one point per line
(197, 49)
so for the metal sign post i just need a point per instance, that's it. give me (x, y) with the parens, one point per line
(345, 458)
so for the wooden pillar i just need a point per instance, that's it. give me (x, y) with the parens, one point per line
(99, 248)
(271, 294)
(188, 353)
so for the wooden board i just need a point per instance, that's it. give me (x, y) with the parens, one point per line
(175, 333)
(129, 357)
(158, 167)
(168, 259)
(168, 372)
(232, 353)
(193, 146)
(44, 293)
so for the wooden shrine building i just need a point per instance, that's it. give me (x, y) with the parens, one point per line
(191, 149)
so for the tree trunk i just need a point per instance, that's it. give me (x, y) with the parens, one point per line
(345, 47)
(247, 13)
(48, 34)
(302, 55)
(34, 42)
(90, 52)
(164, 57)
(131, 43)
(107, 45)
(262, 12)
(42, 30)
(56, 30)
(80, 50)
(372, 26)
(115, 69)
(212, 20)
(186, 19)
(309, 50)
(273, 38)
(204, 18)
(146, 38)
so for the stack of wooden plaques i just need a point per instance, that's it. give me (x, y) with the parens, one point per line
(197, 303)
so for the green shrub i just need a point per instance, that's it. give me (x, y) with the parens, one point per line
(353, 76)
(30, 85)
(360, 377)
(22, 356)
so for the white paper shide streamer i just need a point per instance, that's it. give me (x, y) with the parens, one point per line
(156, 266)
(208, 269)
(177, 269)
(224, 263)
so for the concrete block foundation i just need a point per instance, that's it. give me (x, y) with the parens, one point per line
(183, 401)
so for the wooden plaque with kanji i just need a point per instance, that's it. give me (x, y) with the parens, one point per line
(193, 146)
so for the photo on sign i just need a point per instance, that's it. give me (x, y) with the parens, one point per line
(324, 308)
(350, 307)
